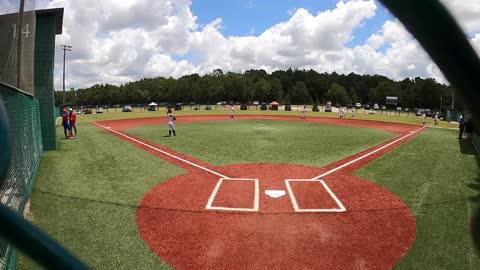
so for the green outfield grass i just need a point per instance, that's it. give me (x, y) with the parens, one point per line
(140, 113)
(85, 196)
(87, 191)
(259, 141)
(439, 180)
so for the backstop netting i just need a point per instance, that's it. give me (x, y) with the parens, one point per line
(17, 43)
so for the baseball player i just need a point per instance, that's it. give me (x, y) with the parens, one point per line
(232, 111)
(424, 118)
(170, 119)
(304, 112)
(353, 112)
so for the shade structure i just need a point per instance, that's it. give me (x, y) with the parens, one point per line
(153, 104)
(275, 103)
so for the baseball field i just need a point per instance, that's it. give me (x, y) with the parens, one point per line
(265, 190)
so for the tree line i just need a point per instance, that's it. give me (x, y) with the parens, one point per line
(290, 86)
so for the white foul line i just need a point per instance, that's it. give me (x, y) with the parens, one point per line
(161, 151)
(366, 155)
(217, 187)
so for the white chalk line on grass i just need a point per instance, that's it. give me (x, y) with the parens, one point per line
(367, 154)
(160, 151)
(256, 198)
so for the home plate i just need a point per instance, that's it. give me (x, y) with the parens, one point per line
(275, 193)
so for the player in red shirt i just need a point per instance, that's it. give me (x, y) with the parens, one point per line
(72, 118)
(66, 125)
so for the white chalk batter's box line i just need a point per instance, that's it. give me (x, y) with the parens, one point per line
(256, 198)
(256, 204)
(341, 207)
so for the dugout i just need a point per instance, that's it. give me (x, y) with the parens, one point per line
(178, 106)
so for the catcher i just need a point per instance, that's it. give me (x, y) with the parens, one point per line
(170, 119)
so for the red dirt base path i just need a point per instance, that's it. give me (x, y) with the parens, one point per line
(375, 232)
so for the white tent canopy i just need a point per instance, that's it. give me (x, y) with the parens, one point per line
(153, 104)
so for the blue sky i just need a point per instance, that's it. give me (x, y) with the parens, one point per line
(241, 17)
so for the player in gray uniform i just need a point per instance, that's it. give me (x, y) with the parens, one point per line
(170, 119)
(304, 112)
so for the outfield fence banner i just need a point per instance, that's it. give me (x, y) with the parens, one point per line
(25, 146)
(17, 43)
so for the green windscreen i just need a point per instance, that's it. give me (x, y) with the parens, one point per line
(25, 145)
(17, 43)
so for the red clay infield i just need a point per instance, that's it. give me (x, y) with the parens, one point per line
(375, 232)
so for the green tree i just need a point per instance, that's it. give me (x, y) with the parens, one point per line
(299, 94)
(337, 94)
(384, 89)
(262, 89)
(277, 90)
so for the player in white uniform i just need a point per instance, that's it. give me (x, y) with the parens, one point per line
(353, 112)
(304, 112)
(170, 119)
(424, 118)
(232, 111)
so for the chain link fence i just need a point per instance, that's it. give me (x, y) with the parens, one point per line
(17, 44)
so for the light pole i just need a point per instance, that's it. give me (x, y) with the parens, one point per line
(65, 48)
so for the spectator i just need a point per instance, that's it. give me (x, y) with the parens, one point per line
(72, 118)
(66, 125)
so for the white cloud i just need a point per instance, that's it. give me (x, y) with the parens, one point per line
(404, 57)
(120, 41)
(8, 6)
(466, 13)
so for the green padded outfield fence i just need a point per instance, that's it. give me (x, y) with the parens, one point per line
(25, 152)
